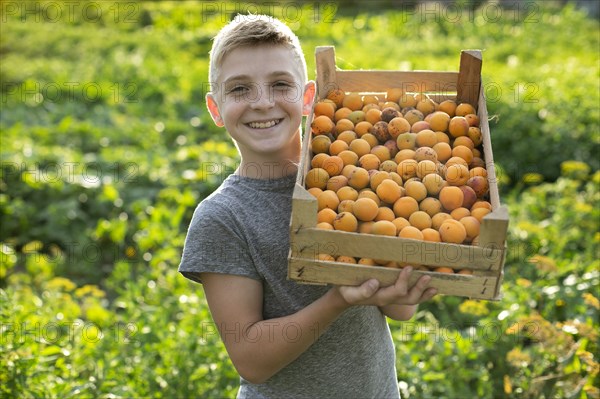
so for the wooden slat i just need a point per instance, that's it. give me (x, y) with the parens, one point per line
(309, 242)
(305, 154)
(304, 210)
(410, 81)
(326, 71)
(480, 287)
(469, 77)
(488, 154)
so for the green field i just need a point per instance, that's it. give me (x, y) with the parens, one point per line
(106, 148)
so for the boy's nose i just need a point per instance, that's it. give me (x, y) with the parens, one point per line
(263, 99)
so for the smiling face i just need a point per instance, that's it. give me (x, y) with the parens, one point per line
(260, 99)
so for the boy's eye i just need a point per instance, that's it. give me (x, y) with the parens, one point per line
(282, 85)
(237, 89)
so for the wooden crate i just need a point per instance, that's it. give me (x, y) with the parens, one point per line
(306, 241)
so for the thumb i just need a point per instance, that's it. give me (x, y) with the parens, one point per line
(369, 287)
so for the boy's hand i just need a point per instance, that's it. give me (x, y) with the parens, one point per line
(369, 293)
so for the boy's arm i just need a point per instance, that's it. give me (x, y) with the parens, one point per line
(259, 348)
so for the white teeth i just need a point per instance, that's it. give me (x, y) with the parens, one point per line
(263, 125)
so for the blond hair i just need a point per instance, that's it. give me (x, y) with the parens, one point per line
(252, 30)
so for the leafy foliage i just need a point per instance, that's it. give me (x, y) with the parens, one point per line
(107, 149)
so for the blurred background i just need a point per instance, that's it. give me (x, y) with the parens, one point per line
(106, 148)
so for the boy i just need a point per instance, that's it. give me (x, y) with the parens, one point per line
(285, 339)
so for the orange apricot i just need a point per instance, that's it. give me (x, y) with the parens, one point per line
(394, 94)
(425, 168)
(479, 213)
(344, 124)
(317, 177)
(411, 232)
(337, 96)
(345, 206)
(337, 147)
(430, 234)
(405, 206)
(431, 206)
(388, 166)
(452, 231)
(464, 109)
(388, 191)
(472, 226)
(419, 219)
(359, 178)
(365, 227)
(324, 226)
(407, 169)
(384, 213)
(397, 126)
(345, 259)
(348, 157)
(400, 223)
(443, 151)
(457, 175)
(345, 221)
(405, 154)
(336, 182)
(362, 128)
(449, 107)
(328, 199)
(407, 100)
(439, 121)
(365, 209)
(384, 228)
(373, 115)
(433, 183)
(443, 269)
(352, 101)
(326, 215)
(426, 138)
(315, 191)
(317, 159)
(369, 162)
(416, 190)
(360, 147)
(341, 113)
(458, 126)
(333, 165)
(451, 197)
(438, 219)
(475, 135)
(320, 144)
(322, 125)
(460, 213)
(325, 108)
(463, 152)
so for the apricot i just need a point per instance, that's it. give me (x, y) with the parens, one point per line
(396, 177)
(452, 231)
(463, 152)
(419, 219)
(337, 96)
(320, 144)
(407, 169)
(317, 177)
(405, 206)
(389, 113)
(477, 161)
(328, 199)
(405, 154)
(325, 108)
(430, 234)
(482, 204)
(407, 100)
(315, 191)
(463, 140)
(325, 257)
(326, 215)
(380, 131)
(394, 94)
(322, 125)
(458, 126)
(398, 126)
(333, 165)
(425, 168)
(317, 159)
(469, 196)
(356, 117)
(475, 135)
(360, 147)
(457, 175)
(426, 106)
(451, 197)
(406, 141)
(442, 137)
(348, 157)
(456, 161)
(337, 147)
(431, 206)
(426, 138)
(345, 221)
(419, 126)
(384, 213)
(352, 101)
(472, 119)
(413, 116)
(359, 178)
(369, 162)
(443, 269)
(344, 124)
(367, 262)
(411, 232)
(439, 121)
(368, 193)
(449, 107)
(371, 139)
(390, 104)
(345, 206)
(370, 99)
(388, 166)
(365, 227)
(472, 226)
(388, 191)
(365, 209)
(479, 213)
(416, 190)
(392, 147)
(443, 151)
(479, 184)
(433, 183)
(400, 223)
(438, 219)
(345, 259)
(362, 128)
(464, 109)
(466, 272)
(347, 193)
(336, 182)
(348, 169)
(341, 113)
(384, 228)
(324, 226)
(460, 213)
(373, 115)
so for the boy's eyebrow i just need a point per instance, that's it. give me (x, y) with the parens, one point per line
(275, 74)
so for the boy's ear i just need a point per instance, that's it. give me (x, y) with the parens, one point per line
(213, 109)
(309, 97)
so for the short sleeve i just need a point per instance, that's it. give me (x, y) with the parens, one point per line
(215, 243)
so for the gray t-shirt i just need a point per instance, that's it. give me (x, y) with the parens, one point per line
(243, 228)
